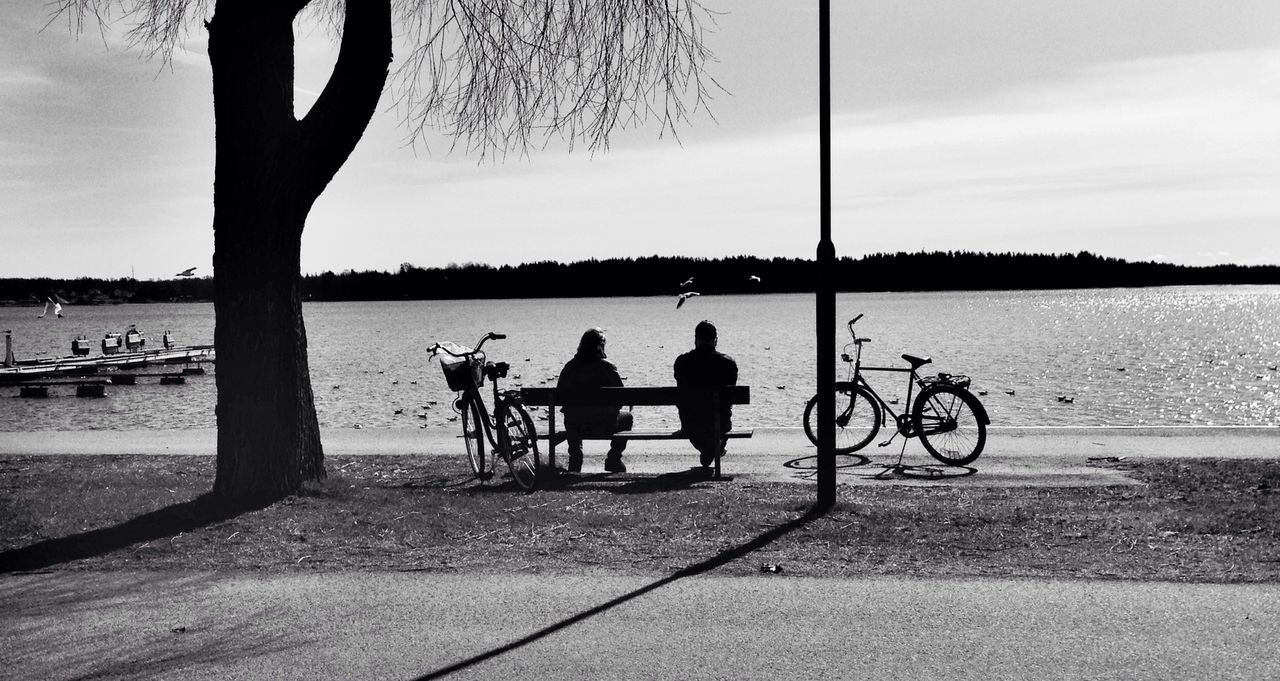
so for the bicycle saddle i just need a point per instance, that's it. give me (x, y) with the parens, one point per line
(917, 362)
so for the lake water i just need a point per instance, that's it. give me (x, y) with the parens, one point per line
(1155, 356)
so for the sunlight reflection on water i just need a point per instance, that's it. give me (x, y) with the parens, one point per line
(1156, 356)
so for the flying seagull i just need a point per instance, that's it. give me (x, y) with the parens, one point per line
(686, 282)
(754, 278)
(685, 296)
(189, 272)
(57, 308)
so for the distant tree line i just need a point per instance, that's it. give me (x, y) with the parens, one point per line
(666, 275)
(88, 291)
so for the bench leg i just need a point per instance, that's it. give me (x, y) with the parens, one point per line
(551, 436)
(715, 429)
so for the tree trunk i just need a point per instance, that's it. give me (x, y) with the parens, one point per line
(269, 171)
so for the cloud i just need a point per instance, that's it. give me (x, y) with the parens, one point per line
(1113, 156)
(1172, 118)
(16, 81)
(186, 54)
(1116, 159)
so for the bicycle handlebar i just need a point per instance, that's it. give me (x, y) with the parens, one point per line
(855, 336)
(492, 335)
(437, 348)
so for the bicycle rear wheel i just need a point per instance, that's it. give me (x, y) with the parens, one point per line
(520, 443)
(858, 419)
(946, 419)
(473, 436)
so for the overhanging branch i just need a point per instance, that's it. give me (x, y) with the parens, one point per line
(337, 121)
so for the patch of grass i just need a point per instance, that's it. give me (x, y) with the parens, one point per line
(1201, 520)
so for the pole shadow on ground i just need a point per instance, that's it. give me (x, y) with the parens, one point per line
(722, 558)
(169, 521)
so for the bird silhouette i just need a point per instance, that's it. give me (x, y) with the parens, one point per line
(189, 272)
(57, 308)
(685, 296)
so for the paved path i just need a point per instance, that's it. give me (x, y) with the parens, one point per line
(404, 626)
(1013, 456)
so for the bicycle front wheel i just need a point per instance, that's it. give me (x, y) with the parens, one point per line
(858, 419)
(946, 419)
(473, 436)
(520, 442)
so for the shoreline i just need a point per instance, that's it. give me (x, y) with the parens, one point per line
(1160, 441)
(1013, 457)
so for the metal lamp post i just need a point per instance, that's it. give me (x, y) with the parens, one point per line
(825, 290)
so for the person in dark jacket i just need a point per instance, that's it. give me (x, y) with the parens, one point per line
(590, 369)
(704, 366)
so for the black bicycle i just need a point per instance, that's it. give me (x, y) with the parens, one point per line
(509, 430)
(950, 422)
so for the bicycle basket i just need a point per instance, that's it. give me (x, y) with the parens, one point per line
(459, 372)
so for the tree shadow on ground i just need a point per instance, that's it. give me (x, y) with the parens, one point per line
(65, 627)
(169, 521)
(722, 558)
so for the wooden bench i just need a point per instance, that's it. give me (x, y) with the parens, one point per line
(634, 396)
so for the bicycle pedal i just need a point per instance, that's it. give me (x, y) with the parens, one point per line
(886, 443)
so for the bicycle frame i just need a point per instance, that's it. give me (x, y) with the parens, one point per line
(500, 399)
(948, 420)
(915, 383)
(902, 421)
(471, 391)
(507, 428)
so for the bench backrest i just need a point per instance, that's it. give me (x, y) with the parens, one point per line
(541, 397)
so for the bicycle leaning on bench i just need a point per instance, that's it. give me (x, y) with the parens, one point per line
(950, 422)
(508, 429)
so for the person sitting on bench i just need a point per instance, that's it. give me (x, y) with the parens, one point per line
(704, 366)
(590, 369)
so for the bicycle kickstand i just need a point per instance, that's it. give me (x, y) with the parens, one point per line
(893, 468)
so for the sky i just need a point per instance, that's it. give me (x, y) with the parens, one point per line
(1137, 129)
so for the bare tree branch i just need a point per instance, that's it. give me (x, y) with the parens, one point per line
(156, 26)
(498, 76)
(501, 76)
(338, 119)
